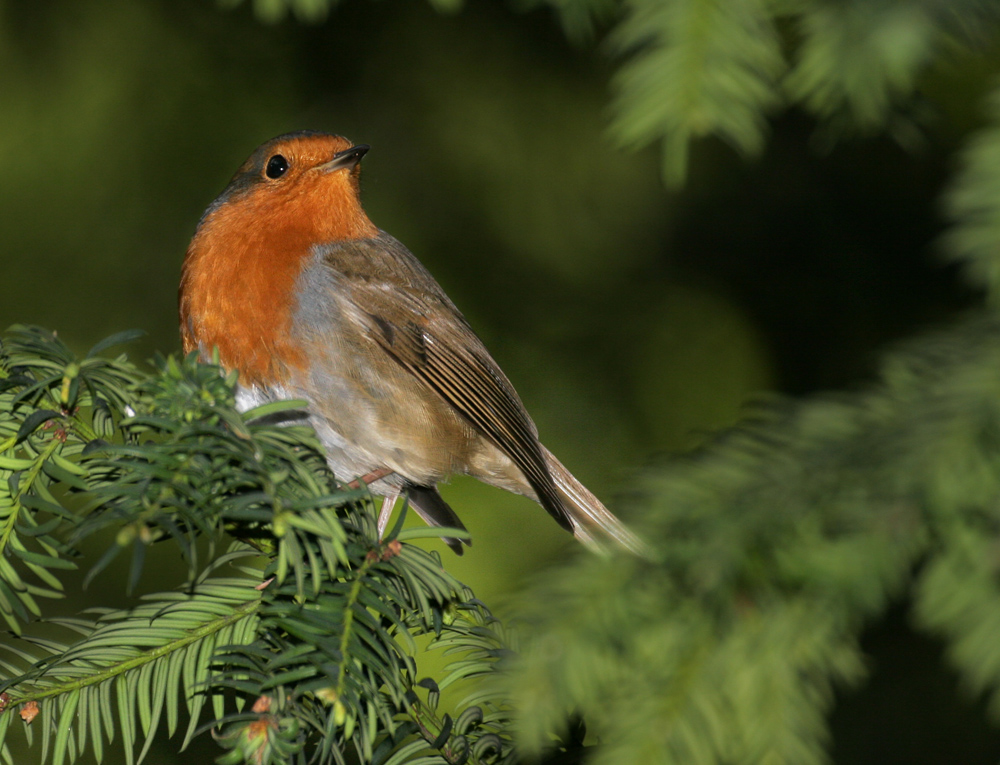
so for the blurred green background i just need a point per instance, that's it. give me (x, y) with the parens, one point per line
(634, 321)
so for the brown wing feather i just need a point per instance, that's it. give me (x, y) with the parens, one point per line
(412, 319)
(473, 385)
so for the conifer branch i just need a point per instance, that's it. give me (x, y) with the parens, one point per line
(319, 658)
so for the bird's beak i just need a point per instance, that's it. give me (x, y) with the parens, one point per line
(346, 159)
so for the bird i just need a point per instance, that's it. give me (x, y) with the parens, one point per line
(289, 282)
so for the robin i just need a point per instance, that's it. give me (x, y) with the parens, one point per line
(306, 298)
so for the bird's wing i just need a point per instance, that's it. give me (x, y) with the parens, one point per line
(443, 353)
(408, 315)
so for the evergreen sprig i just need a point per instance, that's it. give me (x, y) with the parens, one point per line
(695, 68)
(52, 406)
(297, 660)
(779, 542)
(974, 204)
(130, 669)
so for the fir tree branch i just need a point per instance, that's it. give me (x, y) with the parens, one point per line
(694, 68)
(974, 205)
(323, 656)
(21, 694)
(778, 542)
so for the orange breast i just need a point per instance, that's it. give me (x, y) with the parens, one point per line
(238, 283)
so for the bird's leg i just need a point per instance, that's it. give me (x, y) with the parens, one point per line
(388, 502)
(369, 478)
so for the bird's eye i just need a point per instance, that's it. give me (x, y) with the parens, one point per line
(277, 166)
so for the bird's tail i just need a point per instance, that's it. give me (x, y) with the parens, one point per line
(593, 523)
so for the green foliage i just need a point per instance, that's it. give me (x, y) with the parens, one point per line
(316, 658)
(141, 663)
(203, 467)
(695, 67)
(974, 203)
(777, 544)
(710, 67)
(857, 59)
(51, 408)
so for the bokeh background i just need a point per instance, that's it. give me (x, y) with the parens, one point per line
(634, 320)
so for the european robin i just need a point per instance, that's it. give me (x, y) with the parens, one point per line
(306, 298)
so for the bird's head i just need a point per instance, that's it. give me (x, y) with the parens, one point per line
(305, 180)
